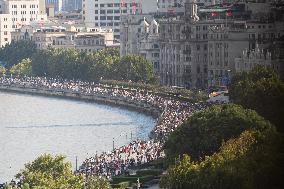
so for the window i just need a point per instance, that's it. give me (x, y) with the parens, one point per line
(117, 18)
(102, 5)
(102, 17)
(198, 47)
(102, 11)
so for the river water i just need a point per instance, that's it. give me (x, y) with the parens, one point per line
(33, 125)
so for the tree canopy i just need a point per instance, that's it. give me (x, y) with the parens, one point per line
(50, 172)
(23, 68)
(252, 160)
(203, 133)
(260, 90)
(104, 64)
(14, 52)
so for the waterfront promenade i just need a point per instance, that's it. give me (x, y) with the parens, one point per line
(170, 113)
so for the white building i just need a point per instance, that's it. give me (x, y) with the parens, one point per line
(107, 13)
(16, 13)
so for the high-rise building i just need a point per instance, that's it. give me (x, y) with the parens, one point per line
(107, 13)
(71, 5)
(58, 4)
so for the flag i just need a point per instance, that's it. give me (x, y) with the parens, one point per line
(213, 14)
(229, 14)
(133, 6)
(122, 3)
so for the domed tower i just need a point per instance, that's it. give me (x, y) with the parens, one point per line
(144, 26)
(190, 8)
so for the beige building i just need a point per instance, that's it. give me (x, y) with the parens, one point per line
(88, 40)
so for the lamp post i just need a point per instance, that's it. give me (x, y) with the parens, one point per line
(228, 77)
(76, 163)
(138, 184)
(113, 143)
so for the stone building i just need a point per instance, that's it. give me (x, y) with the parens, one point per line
(140, 36)
(253, 58)
(198, 50)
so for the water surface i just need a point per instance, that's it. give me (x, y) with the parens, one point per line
(33, 125)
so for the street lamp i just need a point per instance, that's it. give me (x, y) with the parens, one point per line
(228, 77)
(113, 144)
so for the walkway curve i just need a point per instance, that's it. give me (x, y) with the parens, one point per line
(170, 113)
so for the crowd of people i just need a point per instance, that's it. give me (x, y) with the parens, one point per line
(118, 161)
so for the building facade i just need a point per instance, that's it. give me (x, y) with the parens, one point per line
(140, 36)
(17, 13)
(198, 50)
(253, 58)
(89, 40)
(107, 13)
(58, 4)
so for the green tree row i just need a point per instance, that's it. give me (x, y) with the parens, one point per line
(21, 58)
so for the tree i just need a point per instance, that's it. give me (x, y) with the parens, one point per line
(50, 172)
(40, 61)
(102, 64)
(260, 90)
(252, 160)
(97, 182)
(134, 68)
(2, 71)
(203, 133)
(14, 52)
(26, 186)
(23, 68)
